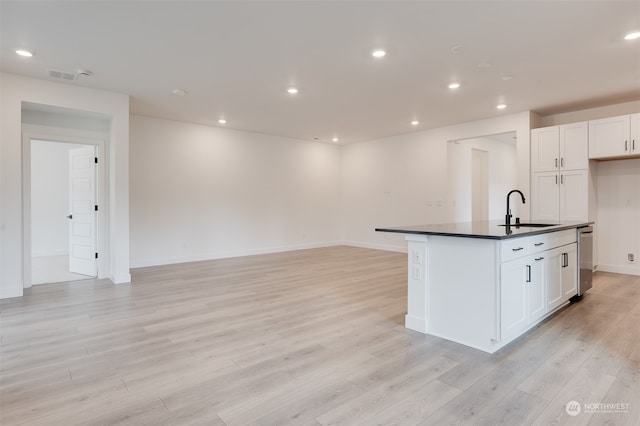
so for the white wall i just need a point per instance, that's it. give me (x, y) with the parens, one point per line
(14, 91)
(502, 174)
(200, 192)
(402, 180)
(618, 225)
(50, 198)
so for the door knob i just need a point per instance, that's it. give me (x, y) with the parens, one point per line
(69, 216)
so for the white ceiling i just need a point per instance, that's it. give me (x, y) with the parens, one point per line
(236, 59)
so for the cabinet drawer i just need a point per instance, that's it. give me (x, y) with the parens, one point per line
(515, 248)
(518, 247)
(561, 238)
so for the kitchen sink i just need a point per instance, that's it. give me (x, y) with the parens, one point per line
(531, 225)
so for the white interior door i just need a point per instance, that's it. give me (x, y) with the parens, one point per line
(82, 215)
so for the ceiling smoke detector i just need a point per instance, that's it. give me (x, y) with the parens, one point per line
(85, 73)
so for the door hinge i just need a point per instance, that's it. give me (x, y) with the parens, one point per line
(95, 208)
(95, 160)
(96, 255)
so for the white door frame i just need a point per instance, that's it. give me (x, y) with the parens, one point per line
(55, 134)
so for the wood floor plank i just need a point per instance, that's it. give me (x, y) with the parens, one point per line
(309, 337)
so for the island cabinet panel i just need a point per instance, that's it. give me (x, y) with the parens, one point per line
(461, 296)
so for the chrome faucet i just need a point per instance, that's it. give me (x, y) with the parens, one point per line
(508, 216)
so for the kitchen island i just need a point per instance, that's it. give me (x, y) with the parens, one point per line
(482, 284)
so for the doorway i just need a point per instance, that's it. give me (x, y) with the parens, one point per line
(63, 216)
(479, 185)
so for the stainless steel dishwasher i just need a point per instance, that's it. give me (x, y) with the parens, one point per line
(585, 259)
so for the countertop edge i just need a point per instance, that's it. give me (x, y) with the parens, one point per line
(533, 231)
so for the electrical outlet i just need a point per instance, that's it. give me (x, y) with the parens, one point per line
(417, 272)
(417, 257)
(631, 257)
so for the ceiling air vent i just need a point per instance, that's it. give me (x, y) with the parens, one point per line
(61, 75)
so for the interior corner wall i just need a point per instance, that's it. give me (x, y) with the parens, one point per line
(618, 213)
(201, 192)
(402, 180)
(14, 90)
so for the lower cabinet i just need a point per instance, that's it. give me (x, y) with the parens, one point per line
(513, 297)
(561, 275)
(523, 299)
(534, 286)
(569, 275)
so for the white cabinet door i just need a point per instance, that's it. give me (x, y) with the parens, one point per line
(574, 195)
(609, 137)
(574, 146)
(553, 278)
(545, 149)
(536, 301)
(514, 277)
(545, 197)
(570, 271)
(635, 134)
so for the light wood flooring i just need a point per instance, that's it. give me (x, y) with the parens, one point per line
(307, 337)
(53, 269)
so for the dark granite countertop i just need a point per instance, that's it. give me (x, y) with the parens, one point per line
(485, 229)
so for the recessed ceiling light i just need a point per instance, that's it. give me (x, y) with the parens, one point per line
(415, 122)
(292, 90)
(501, 106)
(24, 53)
(632, 36)
(378, 53)
(506, 77)
(457, 48)
(335, 139)
(222, 121)
(454, 85)
(179, 92)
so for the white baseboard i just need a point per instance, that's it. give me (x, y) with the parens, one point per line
(228, 254)
(620, 269)
(416, 324)
(10, 292)
(384, 247)
(121, 278)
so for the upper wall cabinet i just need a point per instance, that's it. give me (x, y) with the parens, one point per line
(614, 137)
(560, 173)
(559, 148)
